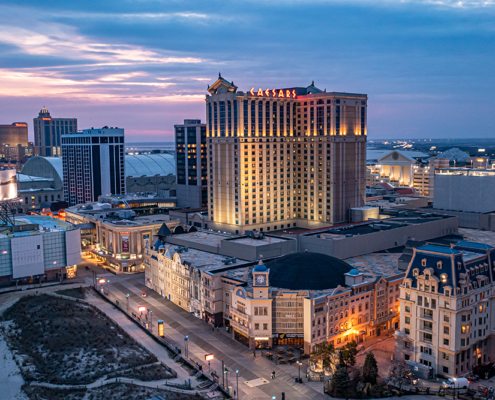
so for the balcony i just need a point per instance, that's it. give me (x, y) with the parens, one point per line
(383, 319)
(426, 314)
(239, 313)
(240, 327)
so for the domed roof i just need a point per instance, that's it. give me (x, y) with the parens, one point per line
(260, 267)
(354, 272)
(307, 271)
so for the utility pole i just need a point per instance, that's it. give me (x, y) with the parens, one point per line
(223, 375)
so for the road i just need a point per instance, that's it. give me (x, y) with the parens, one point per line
(202, 340)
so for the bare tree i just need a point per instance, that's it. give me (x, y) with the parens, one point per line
(398, 374)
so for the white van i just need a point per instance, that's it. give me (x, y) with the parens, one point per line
(456, 383)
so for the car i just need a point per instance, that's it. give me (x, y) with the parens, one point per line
(456, 383)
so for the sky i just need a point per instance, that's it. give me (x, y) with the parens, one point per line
(427, 66)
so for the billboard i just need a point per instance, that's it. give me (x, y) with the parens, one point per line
(125, 244)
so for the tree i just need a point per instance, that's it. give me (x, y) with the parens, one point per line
(340, 383)
(370, 368)
(398, 375)
(323, 352)
(348, 354)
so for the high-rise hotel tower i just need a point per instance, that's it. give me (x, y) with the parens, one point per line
(280, 158)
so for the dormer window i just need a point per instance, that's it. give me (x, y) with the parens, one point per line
(427, 277)
(439, 265)
(415, 272)
(423, 262)
(459, 265)
(447, 293)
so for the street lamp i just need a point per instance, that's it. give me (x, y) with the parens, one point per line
(151, 320)
(237, 382)
(186, 339)
(209, 357)
(299, 363)
(226, 373)
(127, 297)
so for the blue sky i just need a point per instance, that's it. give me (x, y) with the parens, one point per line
(427, 66)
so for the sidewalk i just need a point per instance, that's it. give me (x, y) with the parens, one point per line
(202, 340)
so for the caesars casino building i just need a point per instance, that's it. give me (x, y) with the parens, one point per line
(283, 158)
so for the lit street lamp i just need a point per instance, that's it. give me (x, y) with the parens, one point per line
(127, 297)
(299, 363)
(237, 383)
(151, 320)
(209, 357)
(186, 339)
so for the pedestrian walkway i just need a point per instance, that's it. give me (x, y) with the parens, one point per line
(203, 340)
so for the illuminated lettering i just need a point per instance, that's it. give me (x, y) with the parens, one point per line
(287, 93)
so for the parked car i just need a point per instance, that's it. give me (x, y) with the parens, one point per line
(456, 383)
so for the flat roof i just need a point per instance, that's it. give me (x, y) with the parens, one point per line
(203, 237)
(258, 242)
(202, 260)
(364, 228)
(46, 224)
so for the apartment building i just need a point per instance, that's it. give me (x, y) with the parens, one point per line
(446, 298)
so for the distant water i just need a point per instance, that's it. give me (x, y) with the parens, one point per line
(148, 146)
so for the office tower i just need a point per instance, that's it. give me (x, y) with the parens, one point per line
(190, 164)
(280, 158)
(93, 164)
(14, 134)
(48, 131)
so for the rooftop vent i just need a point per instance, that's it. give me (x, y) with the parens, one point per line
(230, 260)
(181, 249)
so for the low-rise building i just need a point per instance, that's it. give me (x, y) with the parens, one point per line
(445, 302)
(403, 169)
(299, 299)
(117, 237)
(38, 249)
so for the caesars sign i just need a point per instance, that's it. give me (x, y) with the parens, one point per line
(125, 242)
(285, 93)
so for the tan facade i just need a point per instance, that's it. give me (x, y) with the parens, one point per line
(283, 162)
(119, 244)
(446, 297)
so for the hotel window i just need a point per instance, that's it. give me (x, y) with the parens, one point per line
(267, 118)
(260, 118)
(329, 119)
(245, 112)
(337, 119)
(235, 117)
(265, 327)
(320, 120)
(362, 120)
(256, 326)
(215, 115)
